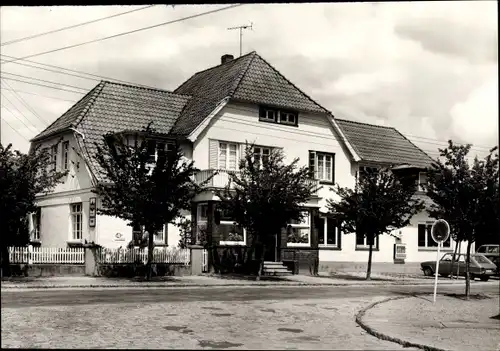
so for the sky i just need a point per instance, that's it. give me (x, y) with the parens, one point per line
(429, 69)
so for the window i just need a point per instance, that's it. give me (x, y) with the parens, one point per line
(228, 156)
(363, 244)
(157, 149)
(201, 220)
(65, 155)
(328, 232)
(36, 220)
(230, 232)
(422, 181)
(261, 154)
(447, 257)
(268, 114)
(299, 232)
(76, 221)
(322, 166)
(159, 236)
(425, 240)
(53, 156)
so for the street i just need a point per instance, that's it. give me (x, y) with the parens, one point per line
(200, 318)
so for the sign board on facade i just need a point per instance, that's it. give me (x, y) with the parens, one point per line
(400, 251)
(440, 231)
(92, 211)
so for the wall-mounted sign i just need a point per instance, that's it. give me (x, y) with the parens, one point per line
(119, 237)
(399, 251)
(92, 211)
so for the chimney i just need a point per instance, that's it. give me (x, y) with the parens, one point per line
(226, 58)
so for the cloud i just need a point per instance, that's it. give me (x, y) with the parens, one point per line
(417, 66)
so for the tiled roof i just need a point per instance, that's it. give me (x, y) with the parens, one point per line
(114, 107)
(382, 144)
(248, 78)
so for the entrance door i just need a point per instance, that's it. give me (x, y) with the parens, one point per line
(271, 252)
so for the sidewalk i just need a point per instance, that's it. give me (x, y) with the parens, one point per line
(203, 281)
(449, 324)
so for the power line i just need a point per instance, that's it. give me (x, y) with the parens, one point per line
(43, 80)
(43, 85)
(25, 104)
(20, 120)
(126, 33)
(3, 120)
(40, 95)
(73, 26)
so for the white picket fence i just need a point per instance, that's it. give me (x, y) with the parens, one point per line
(160, 255)
(41, 255)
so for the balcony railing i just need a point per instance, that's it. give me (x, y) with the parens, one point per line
(222, 177)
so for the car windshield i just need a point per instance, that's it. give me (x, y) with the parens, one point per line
(481, 259)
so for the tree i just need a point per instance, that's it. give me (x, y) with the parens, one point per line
(22, 178)
(381, 202)
(264, 196)
(144, 191)
(466, 197)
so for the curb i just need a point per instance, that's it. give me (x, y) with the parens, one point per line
(371, 331)
(232, 285)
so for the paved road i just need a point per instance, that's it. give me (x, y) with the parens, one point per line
(68, 297)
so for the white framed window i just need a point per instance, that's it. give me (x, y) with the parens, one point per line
(422, 181)
(268, 115)
(322, 165)
(299, 232)
(201, 219)
(228, 156)
(36, 218)
(157, 149)
(65, 150)
(53, 156)
(230, 232)
(261, 154)
(159, 236)
(76, 221)
(328, 232)
(362, 242)
(425, 240)
(288, 118)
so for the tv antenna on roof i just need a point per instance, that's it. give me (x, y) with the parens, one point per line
(241, 31)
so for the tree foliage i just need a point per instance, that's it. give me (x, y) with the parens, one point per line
(22, 178)
(144, 192)
(265, 195)
(466, 196)
(380, 203)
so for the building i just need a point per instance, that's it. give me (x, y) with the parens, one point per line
(211, 116)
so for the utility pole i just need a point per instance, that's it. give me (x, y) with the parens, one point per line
(241, 32)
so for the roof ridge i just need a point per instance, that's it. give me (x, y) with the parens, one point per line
(143, 87)
(75, 104)
(296, 87)
(210, 68)
(243, 73)
(368, 124)
(96, 92)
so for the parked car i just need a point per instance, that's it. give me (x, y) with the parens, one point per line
(492, 252)
(480, 266)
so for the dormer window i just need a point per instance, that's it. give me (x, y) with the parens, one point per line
(158, 149)
(274, 115)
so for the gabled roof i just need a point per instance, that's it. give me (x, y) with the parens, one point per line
(384, 145)
(114, 107)
(248, 78)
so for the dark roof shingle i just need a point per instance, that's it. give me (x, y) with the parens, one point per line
(382, 144)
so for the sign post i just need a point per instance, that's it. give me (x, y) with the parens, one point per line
(440, 231)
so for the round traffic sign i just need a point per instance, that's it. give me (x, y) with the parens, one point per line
(440, 231)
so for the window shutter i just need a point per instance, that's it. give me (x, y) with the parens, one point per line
(213, 153)
(312, 163)
(333, 168)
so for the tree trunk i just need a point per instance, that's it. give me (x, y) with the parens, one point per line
(453, 260)
(150, 253)
(369, 268)
(261, 262)
(467, 271)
